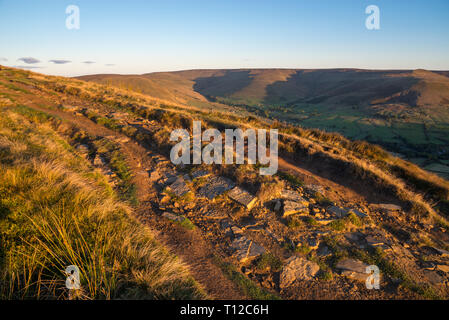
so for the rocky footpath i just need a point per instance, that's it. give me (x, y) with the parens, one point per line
(297, 235)
(247, 231)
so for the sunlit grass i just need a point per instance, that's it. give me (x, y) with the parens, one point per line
(55, 213)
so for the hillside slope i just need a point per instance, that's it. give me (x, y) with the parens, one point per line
(286, 86)
(407, 112)
(335, 205)
(57, 208)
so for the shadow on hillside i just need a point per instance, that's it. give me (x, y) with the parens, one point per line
(343, 86)
(222, 86)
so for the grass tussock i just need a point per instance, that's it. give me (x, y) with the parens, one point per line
(248, 287)
(377, 257)
(269, 261)
(54, 214)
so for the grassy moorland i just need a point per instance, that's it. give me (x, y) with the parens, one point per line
(56, 210)
(353, 169)
(422, 192)
(404, 111)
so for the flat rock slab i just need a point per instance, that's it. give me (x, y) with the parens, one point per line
(215, 187)
(216, 214)
(387, 207)
(351, 265)
(433, 277)
(166, 178)
(179, 187)
(230, 229)
(338, 212)
(315, 188)
(291, 195)
(200, 174)
(274, 235)
(324, 251)
(242, 197)
(358, 213)
(354, 269)
(173, 217)
(277, 205)
(171, 179)
(117, 115)
(355, 237)
(400, 251)
(292, 207)
(355, 275)
(376, 240)
(246, 249)
(257, 228)
(297, 268)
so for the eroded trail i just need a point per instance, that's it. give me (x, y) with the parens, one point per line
(341, 188)
(331, 213)
(199, 248)
(187, 244)
(335, 191)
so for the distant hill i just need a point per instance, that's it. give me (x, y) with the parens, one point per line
(290, 86)
(90, 164)
(406, 111)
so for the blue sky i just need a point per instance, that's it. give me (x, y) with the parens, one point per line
(146, 36)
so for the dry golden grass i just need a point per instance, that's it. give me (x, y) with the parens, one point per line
(417, 187)
(270, 190)
(54, 213)
(367, 169)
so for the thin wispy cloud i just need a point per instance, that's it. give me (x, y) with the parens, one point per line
(3, 59)
(60, 61)
(88, 62)
(27, 67)
(109, 65)
(29, 60)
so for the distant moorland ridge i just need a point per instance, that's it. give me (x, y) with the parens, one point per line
(405, 111)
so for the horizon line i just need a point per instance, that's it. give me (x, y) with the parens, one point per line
(223, 69)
